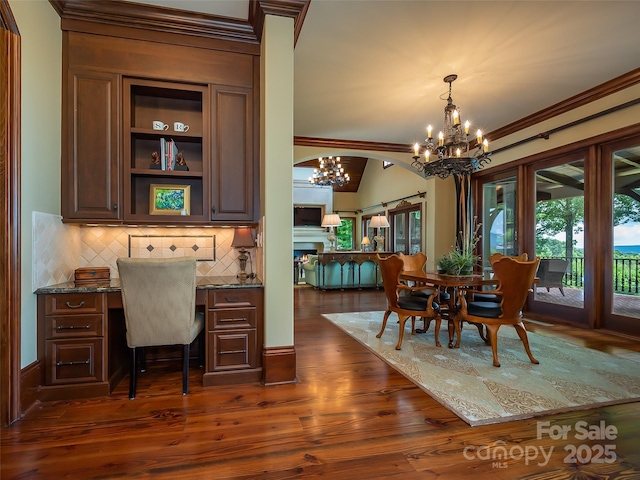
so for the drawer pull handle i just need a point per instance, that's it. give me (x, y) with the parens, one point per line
(232, 320)
(73, 327)
(231, 352)
(75, 306)
(64, 364)
(232, 299)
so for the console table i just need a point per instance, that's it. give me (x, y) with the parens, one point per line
(350, 259)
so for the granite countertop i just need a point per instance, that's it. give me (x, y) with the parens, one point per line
(203, 283)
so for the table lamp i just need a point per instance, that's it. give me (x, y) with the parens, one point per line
(331, 220)
(365, 243)
(379, 221)
(242, 237)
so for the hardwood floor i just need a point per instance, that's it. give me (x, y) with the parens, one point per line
(349, 416)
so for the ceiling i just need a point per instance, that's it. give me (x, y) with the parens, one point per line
(373, 70)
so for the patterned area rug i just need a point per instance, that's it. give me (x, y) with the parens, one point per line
(465, 381)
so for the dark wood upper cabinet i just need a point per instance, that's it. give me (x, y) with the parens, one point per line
(90, 167)
(232, 191)
(116, 88)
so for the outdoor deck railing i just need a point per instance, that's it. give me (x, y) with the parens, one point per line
(626, 273)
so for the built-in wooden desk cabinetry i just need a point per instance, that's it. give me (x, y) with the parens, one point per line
(115, 88)
(73, 329)
(82, 336)
(234, 336)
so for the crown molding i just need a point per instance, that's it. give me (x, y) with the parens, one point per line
(296, 9)
(351, 144)
(600, 91)
(168, 20)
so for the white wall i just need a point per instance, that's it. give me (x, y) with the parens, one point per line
(41, 41)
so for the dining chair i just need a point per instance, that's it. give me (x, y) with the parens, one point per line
(159, 300)
(417, 262)
(515, 280)
(405, 305)
(491, 295)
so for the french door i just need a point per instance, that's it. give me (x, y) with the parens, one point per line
(562, 233)
(620, 220)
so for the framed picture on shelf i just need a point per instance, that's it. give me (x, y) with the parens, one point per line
(169, 199)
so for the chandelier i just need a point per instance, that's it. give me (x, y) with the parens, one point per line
(329, 173)
(451, 153)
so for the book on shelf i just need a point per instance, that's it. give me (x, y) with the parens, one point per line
(168, 154)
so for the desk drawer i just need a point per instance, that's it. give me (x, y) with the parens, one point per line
(74, 303)
(223, 318)
(69, 326)
(232, 350)
(233, 298)
(74, 361)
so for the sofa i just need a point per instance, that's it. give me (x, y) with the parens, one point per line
(342, 270)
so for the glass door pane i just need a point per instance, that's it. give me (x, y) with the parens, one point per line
(626, 233)
(499, 203)
(559, 238)
(415, 227)
(399, 232)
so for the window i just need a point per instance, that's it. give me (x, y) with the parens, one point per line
(346, 234)
(406, 228)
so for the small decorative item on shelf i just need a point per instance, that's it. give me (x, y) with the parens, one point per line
(461, 259)
(181, 164)
(169, 199)
(155, 161)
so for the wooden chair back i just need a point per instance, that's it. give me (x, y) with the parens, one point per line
(390, 269)
(523, 257)
(516, 278)
(414, 262)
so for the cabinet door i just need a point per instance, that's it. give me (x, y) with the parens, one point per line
(90, 171)
(233, 160)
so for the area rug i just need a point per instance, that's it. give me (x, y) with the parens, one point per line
(464, 380)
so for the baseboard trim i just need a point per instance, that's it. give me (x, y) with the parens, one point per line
(31, 377)
(278, 365)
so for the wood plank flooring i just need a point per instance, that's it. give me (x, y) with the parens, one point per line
(349, 416)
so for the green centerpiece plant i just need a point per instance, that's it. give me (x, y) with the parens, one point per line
(461, 259)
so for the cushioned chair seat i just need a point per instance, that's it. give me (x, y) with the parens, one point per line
(486, 297)
(484, 309)
(414, 302)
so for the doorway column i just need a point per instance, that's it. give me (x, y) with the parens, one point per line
(276, 172)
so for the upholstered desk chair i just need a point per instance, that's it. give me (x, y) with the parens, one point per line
(405, 306)
(159, 299)
(515, 279)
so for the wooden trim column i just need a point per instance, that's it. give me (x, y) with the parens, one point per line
(10, 213)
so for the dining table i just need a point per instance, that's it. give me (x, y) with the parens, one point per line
(451, 284)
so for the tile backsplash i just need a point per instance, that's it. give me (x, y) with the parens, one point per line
(58, 249)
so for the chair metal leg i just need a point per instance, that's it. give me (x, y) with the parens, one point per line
(185, 369)
(132, 374)
(143, 359)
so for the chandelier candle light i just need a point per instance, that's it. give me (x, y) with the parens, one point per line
(451, 153)
(377, 222)
(331, 220)
(330, 173)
